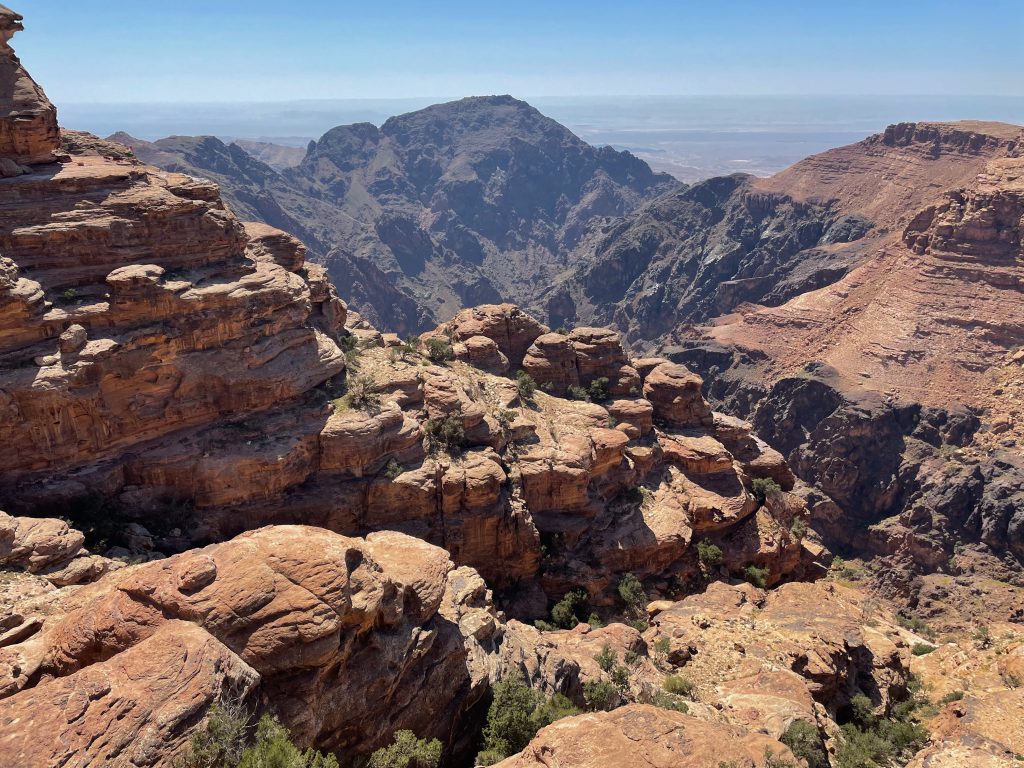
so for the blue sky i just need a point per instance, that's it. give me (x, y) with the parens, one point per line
(257, 50)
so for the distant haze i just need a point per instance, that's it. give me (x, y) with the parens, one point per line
(692, 137)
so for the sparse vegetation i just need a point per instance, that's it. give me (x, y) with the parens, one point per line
(679, 685)
(601, 695)
(359, 394)
(633, 595)
(393, 469)
(803, 738)
(761, 487)
(525, 386)
(570, 610)
(516, 714)
(709, 555)
(406, 751)
(870, 740)
(574, 392)
(228, 741)
(798, 530)
(756, 576)
(952, 696)
(598, 390)
(667, 700)
(922, 649)
(606, 658)
(915, 624)
(445, 435)
(439, 350)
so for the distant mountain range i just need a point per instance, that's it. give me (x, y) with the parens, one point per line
(474, 201)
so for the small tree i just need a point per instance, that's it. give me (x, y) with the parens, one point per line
(803, 738)
(274, 749)
(406, 751)
(601, 695)
(568, 611)
(598, 389)
(709, 555)
(761, 487)
(360, 394)
(756, 576)
(633, 595)
(525, 386)
(445, 435)
(606, 658)
(439, 350)
(574, 392)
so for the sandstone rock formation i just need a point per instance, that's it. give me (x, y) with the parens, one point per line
(640, 734)
(123, 672)
(28, 121)
(893, 389)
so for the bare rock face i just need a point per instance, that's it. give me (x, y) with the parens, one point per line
(277, 612)
(511, 329)
(28, 121)
(49, 548)
(639, 734)
(675, 394)
(585, 355)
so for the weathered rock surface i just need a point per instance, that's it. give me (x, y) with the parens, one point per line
(639, 734)
(126, 673)
(28, 121)
(893, 390)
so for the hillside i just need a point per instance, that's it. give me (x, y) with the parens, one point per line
(479, 200)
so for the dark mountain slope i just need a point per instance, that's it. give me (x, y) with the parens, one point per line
(472, 201)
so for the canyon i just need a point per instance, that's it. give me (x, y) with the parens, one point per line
(333, 464)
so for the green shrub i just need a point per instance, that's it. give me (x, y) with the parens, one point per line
(631, 658)
(555, 708)
(595, 621)
(360, 394)
(221, 742)
(439, 350)
(709, 555)
(620, 677)
(761, 487)
(600, 695)
(606, 658)
(225, 743)
(525, 386)
(574, 392)
(445, 435)
(568, 611)
(679, 685)
(640, 625)
(798, 530)
(869, 740)
(803, 738)
(756, 576)
(916, 625)
(669, 701)
(633, 595)
(921, 649)
(952, 696)
(516, 714)
(274, 749)
(598, 390)
(393, 469)
(510, 724)
(662, 645)
(406, 751)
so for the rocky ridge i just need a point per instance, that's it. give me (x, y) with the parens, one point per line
(458, 204)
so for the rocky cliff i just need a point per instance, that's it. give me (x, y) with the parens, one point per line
(892, 389)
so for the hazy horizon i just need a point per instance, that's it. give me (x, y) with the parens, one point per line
(692, 137)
